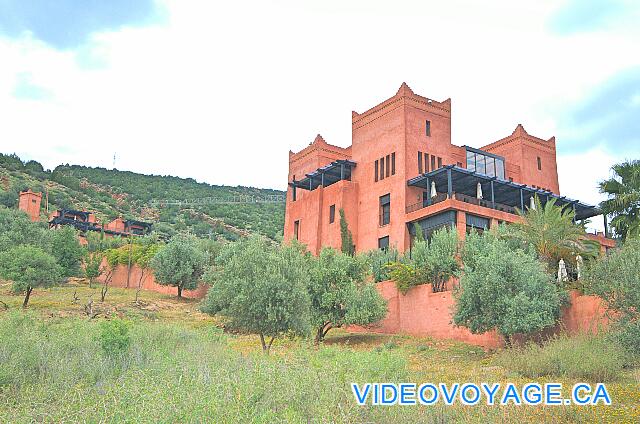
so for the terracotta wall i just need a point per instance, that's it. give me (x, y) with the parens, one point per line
(421, 312)
(148, 282)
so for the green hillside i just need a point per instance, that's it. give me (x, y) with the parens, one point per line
(110, 193)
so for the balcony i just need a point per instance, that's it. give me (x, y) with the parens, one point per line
(452, 182)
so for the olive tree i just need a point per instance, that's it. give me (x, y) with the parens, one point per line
(434, 261)
(616, 279)
(261, 288)
(93, 266)
(504, 290)
(180, 263)
(340, 294)
(29, 267)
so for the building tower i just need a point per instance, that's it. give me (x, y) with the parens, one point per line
(30, 203)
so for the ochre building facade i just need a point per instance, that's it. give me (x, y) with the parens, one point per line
(402, 169)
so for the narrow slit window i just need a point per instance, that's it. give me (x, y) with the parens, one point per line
(539, 164)
(393, 163)
(375, 172)
(296, 230)
(419, 162)
(332, 214)
(433, 163)
(426, 163)
(427, 128)
(388, 166)
(382, 168)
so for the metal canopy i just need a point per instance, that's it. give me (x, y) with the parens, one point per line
(325, 176)
(505, 192)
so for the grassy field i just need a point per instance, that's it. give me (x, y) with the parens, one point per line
(181, 367)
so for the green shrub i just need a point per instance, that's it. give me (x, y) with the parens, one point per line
(114, 337)
(595, 358)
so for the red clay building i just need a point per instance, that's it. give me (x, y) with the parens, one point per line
(402, 169)
(29, 202)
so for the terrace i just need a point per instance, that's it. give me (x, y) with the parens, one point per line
(452, 182)
(329, 174)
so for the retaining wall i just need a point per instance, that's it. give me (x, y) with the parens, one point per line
(420, 312)
(119, 279)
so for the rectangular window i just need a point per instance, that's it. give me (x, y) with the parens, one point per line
(388, 166)
(382, 168)
(426, 163)
(332, 214)
(383, 243)
(375, 172)
(500, 169)
(480, 164)
(296, 230)
(433, 163)
(419, 162)
(539, 164)
(385, 209)
(491, 166)
(471, 161)
(428, 128)
(393, 163)
(439, 162)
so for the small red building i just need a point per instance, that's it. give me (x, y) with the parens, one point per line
(402, 169)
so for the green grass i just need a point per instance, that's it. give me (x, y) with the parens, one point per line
(179, 366)
(589, 357)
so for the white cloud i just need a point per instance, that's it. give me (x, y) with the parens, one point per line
(223, 90)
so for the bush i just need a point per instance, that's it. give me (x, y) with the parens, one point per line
(504, 289)
(114, 337)
(616, 279)
(596, 358)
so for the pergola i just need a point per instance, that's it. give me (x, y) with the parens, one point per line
(496, 193)
(325, 176)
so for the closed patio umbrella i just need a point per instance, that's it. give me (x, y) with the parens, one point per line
(532, 203)
(434, 193)
(562, 271)
(579, 263)
(479, 191)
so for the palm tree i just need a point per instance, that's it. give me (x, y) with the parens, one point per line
(553, 233)
(623, 203)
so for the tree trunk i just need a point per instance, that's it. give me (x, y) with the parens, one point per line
(91, 282)
(507, 341)
(319, 335)
(266, 347)
(179, 291)
(26, 298)
(103, 293)
(139, 285)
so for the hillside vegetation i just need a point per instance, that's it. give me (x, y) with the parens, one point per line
(111, 193)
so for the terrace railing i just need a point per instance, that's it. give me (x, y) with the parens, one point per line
(463, 198)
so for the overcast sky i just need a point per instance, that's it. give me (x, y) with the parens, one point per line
(220, 91)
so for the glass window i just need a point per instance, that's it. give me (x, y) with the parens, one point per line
(332, 214)
(480, 164)
(419, 162)
(375, 172)
(491, 166)
(382, 168)
(439, 162)
(428, 128)
(383, 243)
(385, 209)
(433, 163)
(296, 229)
(500, 169)
(471, 161)
(388, 165)
(393, 163)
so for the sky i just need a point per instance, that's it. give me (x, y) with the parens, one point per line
(221, 91)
